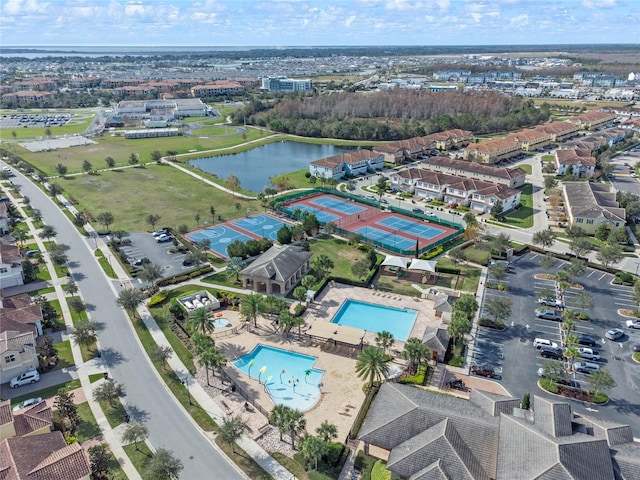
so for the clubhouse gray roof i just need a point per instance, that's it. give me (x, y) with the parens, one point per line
(436, 338)
(278, 263)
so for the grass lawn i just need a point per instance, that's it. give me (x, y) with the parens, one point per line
(211, 131)
(42, 291)
(478, 254)
(244, 461)
(290, 464)
(94, 377)
(467, 280)
(106, 264)
(43, 272)
(89, 427)
(294, 179)
(115, 415)
(65, 357)
(133, 193)
(342, 255)
(48, 392)
(526, 167)
(523, 216)
(221, 278)
(139, 458)
(400, 286)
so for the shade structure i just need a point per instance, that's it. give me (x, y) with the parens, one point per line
(393, 261)
(339, 333)
(426, 265)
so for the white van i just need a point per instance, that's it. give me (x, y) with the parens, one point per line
(543, 342)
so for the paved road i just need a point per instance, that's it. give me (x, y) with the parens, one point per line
(147, 396)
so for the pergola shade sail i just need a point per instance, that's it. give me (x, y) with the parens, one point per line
(392, 261)
(339, 333)
(426, 265)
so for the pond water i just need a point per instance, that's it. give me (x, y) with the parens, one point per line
(255, 167)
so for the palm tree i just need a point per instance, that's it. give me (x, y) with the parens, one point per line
(234, 267)
(370, 365)
(415, 352)
(280, 418)
(130, 299)
(208, 358)
(231, 430)
(312, 449)
(251, 307)
(384, 340)
(151, 273)
(327, 431)
(568, 325)
(297, 426)
(200, 321)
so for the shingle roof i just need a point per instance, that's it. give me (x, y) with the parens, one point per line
(474, 167)
(575, 156)
(590, 200)
(435, 471)
(626, 461)
(552, 418)
(278, 263)
(34, 418)
(6, 415)
(436, 338)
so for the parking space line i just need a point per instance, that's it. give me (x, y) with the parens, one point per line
(602, 276)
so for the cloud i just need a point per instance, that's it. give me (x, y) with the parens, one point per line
(25, 7)
(349, 21)
(476, 17)
(518, 21)
(404, 5)
(594, 4)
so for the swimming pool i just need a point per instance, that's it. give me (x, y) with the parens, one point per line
(288, 377)
(376, 318)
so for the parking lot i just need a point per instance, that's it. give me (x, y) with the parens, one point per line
(143, 245)
(516, 361)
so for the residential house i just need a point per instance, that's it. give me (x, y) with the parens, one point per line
(405, 180)
(591, 204)
(34, 420)
(391, 152)
(575, 161)
(511, 177)
(329, 167)
(18, 354)
(593, 120)
(19, 313)
(448, 139)
(493, 150)
(560, 131)
(277, 270)
(426, 435)
(44, 456)
(11, 273)
(352, 163)
(4, 218)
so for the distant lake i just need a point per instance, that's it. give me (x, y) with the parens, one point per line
(255, 167)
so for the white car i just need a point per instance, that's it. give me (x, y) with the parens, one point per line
(27, 403)
(32, 376)
(633, 323)
(588, 353)
(634, 175)
(551, 302)
(164, 238)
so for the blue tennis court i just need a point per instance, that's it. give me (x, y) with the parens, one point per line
(220, 237)
(260, 225)
(412, 228)
(321, 215)
(388, 238)
(333, 203)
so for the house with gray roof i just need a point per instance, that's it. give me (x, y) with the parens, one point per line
(431, 436)
(277, 270)
(592, 204)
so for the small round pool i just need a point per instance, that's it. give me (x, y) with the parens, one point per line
(221, 322)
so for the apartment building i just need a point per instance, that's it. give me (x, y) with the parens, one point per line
(281, 84)
(493, 150)
(511, 177)
(592, 120)
(532, 139)
(592, 204)
(353, 163)
(575, 161)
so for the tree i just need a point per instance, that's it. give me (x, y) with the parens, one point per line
(79, 219)
(99, 460)
(297, 426)
(381, 185)
(133, 159)
(68, 410)
(415, 352)
(105, 218)
(575, 268)
(300, 293)
(555, 371)
(201, 321)
(284, 235)
(384, 340)
(601, 380)
(330, 228)
(234, 267)
(47, 348)
(547, 262)
(61, 169)
(110, 162)
(152, 220)
(211, 358)
(48, 232)
(160, 354)
(156, 156)
(498, 271)
(500, 243)
(584, 301)
(360, 268)
(580, 246)
(568, 326)
(109, 391)
(550, 182)
(234, 183)
(498, 307)
(251, 307)
(466, 303)
(327, 431)
(544, 238)
(457, 255)
(575, 231)
(84, 334)
(469, 219)
(371, 365)
(308, 281)
(609, 254)
(321, 264)
(163, 465)
(525, 403)
(77, 305)
(312, 449)
(310, 224)
(231, 430)
(134, 433)
(151, 273)
(279, 417)
(497, 211)
(57, 254)
(130, 299)
(459, 325)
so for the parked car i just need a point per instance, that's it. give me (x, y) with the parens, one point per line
(550, 352)
(551, 302)
(614, 334)
(27, 403)
(483, 370)
(636, 347)
(544, 342)
(384, 200)
(633, 323)
(586, 367)
(417, 210)
(32, 253)
(164, 238)
(32, 376)
(588, 353)
(549, 314)
(587, 340)
(456, 383)
(570, 383)
(162, 231)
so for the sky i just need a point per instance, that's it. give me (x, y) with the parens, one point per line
(316, 22)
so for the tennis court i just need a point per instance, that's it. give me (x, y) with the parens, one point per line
(388, 238)
(333, 203)
(321, 215)
(220, 237)
(413, 228)
(263, 226)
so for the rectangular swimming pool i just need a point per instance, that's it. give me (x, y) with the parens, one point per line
(376, 318)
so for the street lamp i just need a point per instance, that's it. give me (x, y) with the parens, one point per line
(185, 382)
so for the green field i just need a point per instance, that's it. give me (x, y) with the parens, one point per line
(133, 193)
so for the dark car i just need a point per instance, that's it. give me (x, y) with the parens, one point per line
(587, 340)
(636, 347)
(550, 352)
(453, 382)
(417, 210)
(483, 370)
